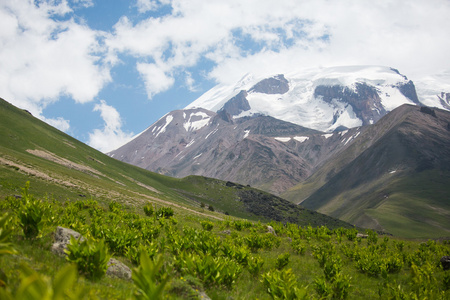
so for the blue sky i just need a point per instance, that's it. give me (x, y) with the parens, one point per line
(104, 70)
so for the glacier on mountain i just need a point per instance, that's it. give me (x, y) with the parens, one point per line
(325, 99)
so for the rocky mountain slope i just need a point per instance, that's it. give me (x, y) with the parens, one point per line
(260, 151)
(255, 132)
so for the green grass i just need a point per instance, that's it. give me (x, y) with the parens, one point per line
(306, 267)
(406, 205)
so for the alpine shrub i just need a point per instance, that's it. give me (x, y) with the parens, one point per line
(148, 210)
(30, 217)
(90, 257)
(150, 285)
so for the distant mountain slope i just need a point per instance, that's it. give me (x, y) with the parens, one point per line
(63, 168)
(395, 176)
(255, 131)
(259, 151)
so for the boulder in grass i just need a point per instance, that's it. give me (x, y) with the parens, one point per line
(62, 239)
(271, 230)
(118, 269)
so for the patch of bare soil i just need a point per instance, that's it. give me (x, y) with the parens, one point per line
(34, 172)
(65, 162)
(69, 144)
(150, 188)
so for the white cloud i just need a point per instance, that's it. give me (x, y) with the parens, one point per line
(43, 57)
(84, 3)
(190, 82)
(111, 135)
(60, 123)
(156, 80)
(250, 36)
(146, 5)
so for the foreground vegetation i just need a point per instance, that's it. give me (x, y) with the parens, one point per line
(189, 257)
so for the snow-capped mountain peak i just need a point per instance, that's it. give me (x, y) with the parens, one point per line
(324, 99)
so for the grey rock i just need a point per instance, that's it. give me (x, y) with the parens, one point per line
(361, 235)
(62, 238)
(271, 230)
(237, 104)
(274, 85)
(362, 99)
(118, 269)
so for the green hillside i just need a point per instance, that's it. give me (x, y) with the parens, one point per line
(394, 178)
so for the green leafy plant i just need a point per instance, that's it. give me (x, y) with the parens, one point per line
(133, 253)
(207, 225)
(120, 238)
(254, 242)
(217, 270)
(446, 281)
(332, 267)
(298, 247)
(351, 234)
(115, 207)
(393, 263)
(147, 279)
(282, 261)
(241, 255)
(372, 237)
(282, 284)
(6, 247)
(35, 286)
(164, 212)
(322, 287)
(370, 264)
(254, 265)
(148, 210)
(341, 286)
(90, 257)
(30, 214)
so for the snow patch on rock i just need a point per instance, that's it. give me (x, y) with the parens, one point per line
(162, 128)
(301, 139)
(196, 121)
(283, 139)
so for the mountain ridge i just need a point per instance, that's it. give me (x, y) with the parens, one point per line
(239, 143)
